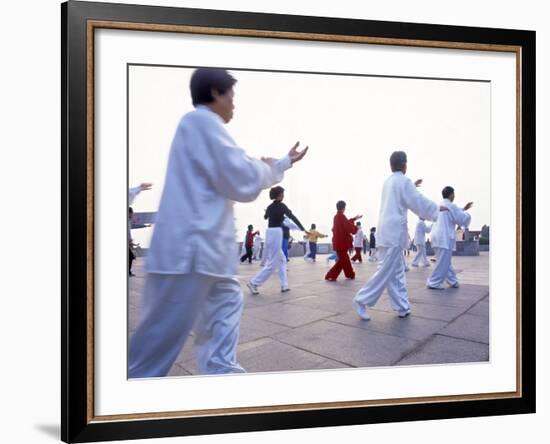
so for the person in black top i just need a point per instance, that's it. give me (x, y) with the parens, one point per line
(372, 245)
(275, 258)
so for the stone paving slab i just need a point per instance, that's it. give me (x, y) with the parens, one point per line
(257, 356)
(481, 308)
(411, 327)
(178, 370)
(466, 294)
(330, 302)
(470, 327)
(268, 297)
(353, 346)
(432, 311)
(446, 350)
(251, 329)
(419, 309)
(254, 328)
(288, 315)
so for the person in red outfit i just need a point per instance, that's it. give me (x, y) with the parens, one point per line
(248, 244)
(342, 229)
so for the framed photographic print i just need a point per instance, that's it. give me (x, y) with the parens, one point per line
(196, 301)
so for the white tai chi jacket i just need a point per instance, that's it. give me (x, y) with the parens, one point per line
(207, 172)
(358, 239)
(443, 231)
(420, 233)
(399, 195)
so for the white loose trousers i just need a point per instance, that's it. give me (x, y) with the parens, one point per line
(175, 304)
(443, 269)
(390, 274)
(420, 256)
(275, 259)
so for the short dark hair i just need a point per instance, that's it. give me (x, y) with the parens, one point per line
(313, 226)
(398, 159)
(358, 224)
(275, 192)
(204, 80)
(340, 205)
(373, 229)
(130, 210)
(447, 191)
(250, 227)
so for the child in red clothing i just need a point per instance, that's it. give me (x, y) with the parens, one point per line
(342, 229)
(248, 244)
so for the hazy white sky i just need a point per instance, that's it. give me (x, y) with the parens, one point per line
(352, 125)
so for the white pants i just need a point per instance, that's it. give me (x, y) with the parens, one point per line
(390, 274)
(255, 252)
(173, 305)
(275, 259)
(420, 255)
(443, 269)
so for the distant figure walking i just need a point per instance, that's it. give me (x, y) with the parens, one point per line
(358, 239)
(248, 244)
(420, 242)
(312, 239)
(372, 245)
(342, 230)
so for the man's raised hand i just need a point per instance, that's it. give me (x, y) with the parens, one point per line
(296, 155)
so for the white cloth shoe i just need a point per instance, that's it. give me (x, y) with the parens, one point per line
(435, 288)
(361, 310)
(404, 314)
(253, 288)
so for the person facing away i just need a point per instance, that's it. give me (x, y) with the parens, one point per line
(312, 239)
(275, 259)
(372, 244)
(257, 247)
(358, 239)
(399, 195)
(249, 243)
(444, 240)
(420, 243)
(191, 281)
(342, 230)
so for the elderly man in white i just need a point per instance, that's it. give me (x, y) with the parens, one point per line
(399, 195)
(192, 275)
(444, 240)
(420, 242)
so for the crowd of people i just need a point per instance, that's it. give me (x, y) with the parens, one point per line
(191, 282)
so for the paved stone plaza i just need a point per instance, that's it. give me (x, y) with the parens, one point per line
(314, 326)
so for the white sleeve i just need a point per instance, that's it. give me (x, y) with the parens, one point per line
(234, 174)
(132, 194)
(290, 224)
(460, 217)
(418, 204)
